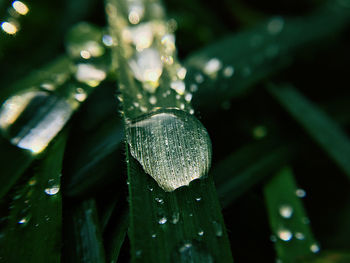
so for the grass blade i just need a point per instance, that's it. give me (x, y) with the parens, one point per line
(35, 216)
(317, 124)
(82, 235)
(231, 66)
(288, 220)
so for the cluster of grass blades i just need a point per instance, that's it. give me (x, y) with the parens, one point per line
(115, 151)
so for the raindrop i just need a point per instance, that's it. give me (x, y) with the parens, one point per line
(168, 41)
(285, 234)
(300, 193)
(286, 211)
(315, 248)
(217, 229)
(299, 236)
(275, 25)
(178, 86)
(162, 220)
(150, 188)
(228, 71)
(52, 187)
(80, 95)
(192, 252)
(187, 140)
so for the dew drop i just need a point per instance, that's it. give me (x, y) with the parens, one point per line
(192, 252)
(162, 220)
(228, 71)
(275, 25)
(285, 234)
(286, 211)
(315, 248)
(52, 187)
(178, 86)
(217, 229)
(185, 157)
(299, 236)
(300, 193)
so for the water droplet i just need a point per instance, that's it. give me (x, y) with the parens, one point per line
(138, 253)
(190, 215)
(228, 71)
(80, 95)
(246, 71)
(9, 27)
(89, 74)
(199, 78)
(181, 73)
(200, 233)
(299, 236)
(198, 199)
(175, 218)
(272, 51)
(286, 211)
(212, 67)
(147, 67)
(32, 182)
(192, 252)
(168, 41)
(152, 100)
(178, 86)
(217, 229)
(275, 25)
(159, 200)
(136, 12)
(188, 97)
(162, 220)
(24, 220)
(193, 87)
(315, 248)
(141, 36)
(154, 235)
(186, 157)
(107, 40)
(49, 112)
(285, 234)
(20, 7)
(52, 187)
(150, 188)
(300, 193)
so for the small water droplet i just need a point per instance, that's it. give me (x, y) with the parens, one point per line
(52, 187)
(192, 252)
(212, 67)
(152, 100)
(162, 220)
(138, 253)
(181, 73)
(190, 214)
(80, 95)
(286, 211)
(107, 40)
(187, 155)
(228, 71)
(159, 200)
(275, 25)
(299, 236)
(154, 235)
(178, 86)
(198, 199)
(90, 74)
(200, 233)
(175, 218)
(193, 87)
(32, 182)
(300, 193)
(150, 188)
(188, 97)
(315, 248)
(217, 229)
(199, 78)
(285, 234)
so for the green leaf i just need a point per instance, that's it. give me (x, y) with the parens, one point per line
(82, 234)
(316, 123)
(288, 220)
(35, 213)
(231, 66)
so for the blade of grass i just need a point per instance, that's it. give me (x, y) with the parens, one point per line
(35, 213)
(185, 225)
(82, 235)
(288, 220)
(322, 129)
(231, 66)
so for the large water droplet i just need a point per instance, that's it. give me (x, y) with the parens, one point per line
(192, 252)
(52, 187)
(32, 119)
(171, 145)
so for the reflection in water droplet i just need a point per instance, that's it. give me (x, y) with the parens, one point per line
(162, 220)
(228, 71)
(275, 25)
(186, 156)
(52, 187)
(314, 248)
(192, 252)
(30, 120)
(300, 193)
(217, 229)
(285, 234)
(81, 95)
(286, 211)
(212, 67)
(188, 97)
(299, 236)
